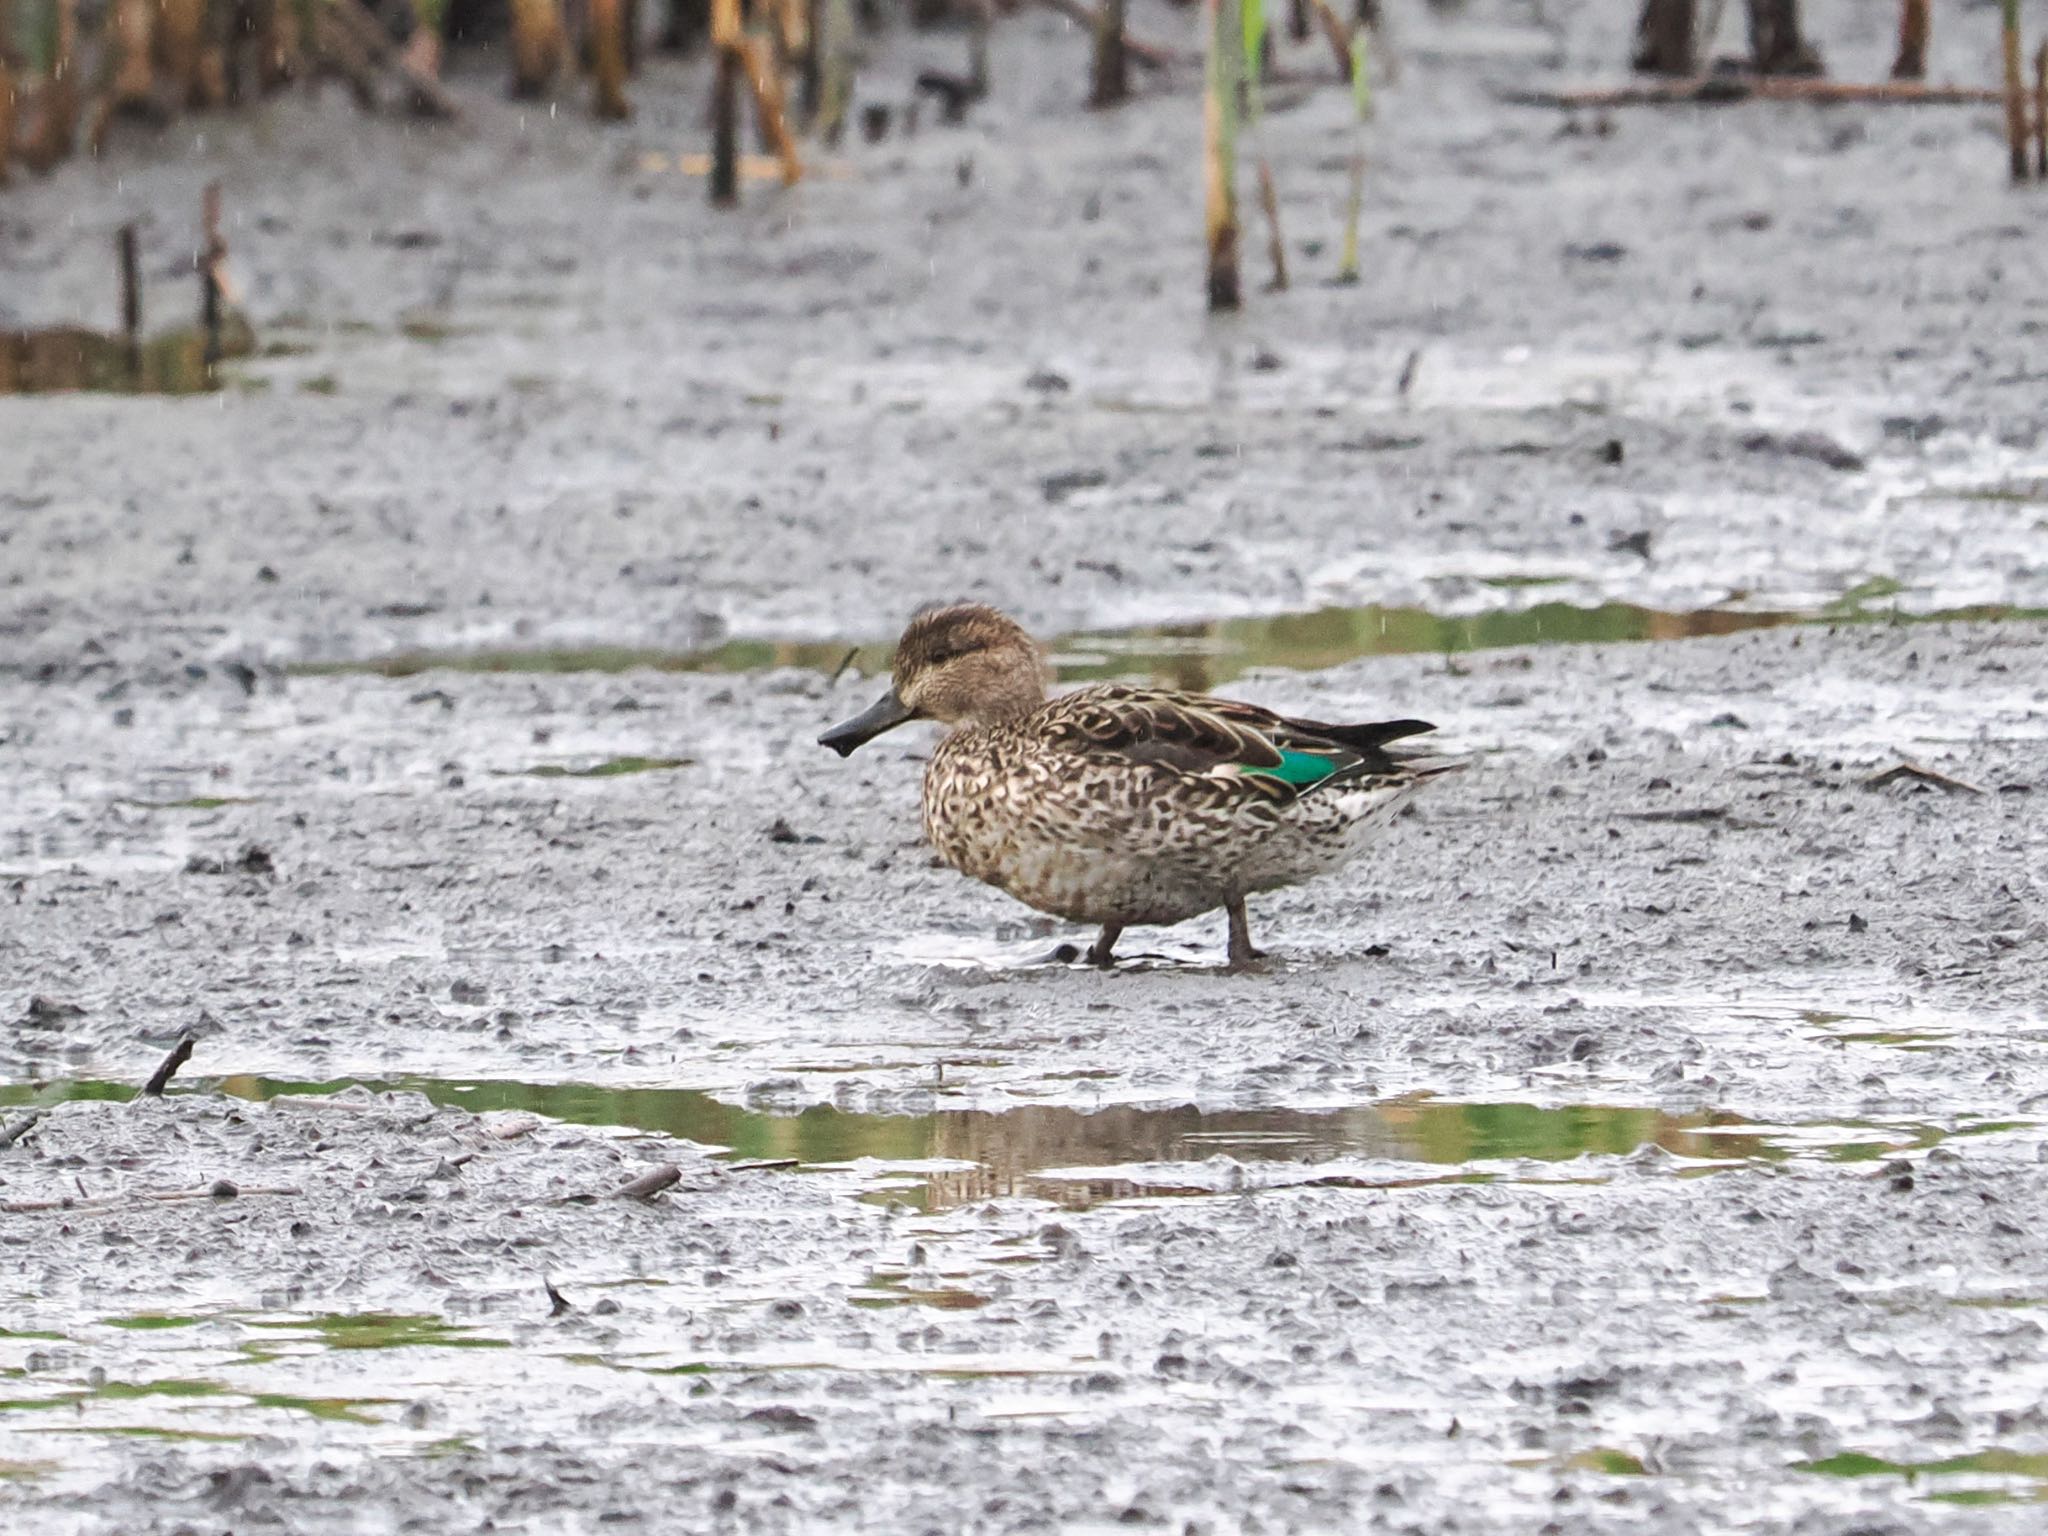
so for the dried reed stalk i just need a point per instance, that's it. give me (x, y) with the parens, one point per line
(1336, 34)
(281, 38)
(1223, 83)
(540, 45)
(421, 55)
(608, 61)
(1361, 111)
(55, 129)
(7, 108)
(1911, 63)
(772, 120)
(340, 52)
(133, 25)
(181, 29)
(1109, 73)
(793, 27)
(2015, 91)
(1151, 55)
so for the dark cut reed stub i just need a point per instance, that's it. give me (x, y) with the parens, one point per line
(1665, 38)
(2015, 90)
(131, 298)
(540, 46)
(725, 128)
(2041, 113)
(213, 252)
(610, 59)
(1910, 63)
(1109, 68)
(1776, 44)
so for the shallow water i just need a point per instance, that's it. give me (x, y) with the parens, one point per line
(1200, 656)
(1078, 1157)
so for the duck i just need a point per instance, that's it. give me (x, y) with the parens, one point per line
(1118, 806)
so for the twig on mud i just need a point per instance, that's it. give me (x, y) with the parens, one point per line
(1689, 814)
(180, 1054)
(219, 1189)
(844, 662)
(759, 1164)
(1911, 770)
(1716, 90)
(1151, 55)
(18, 1127)
(650, 1183)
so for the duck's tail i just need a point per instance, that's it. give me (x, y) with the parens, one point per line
(1378, 758)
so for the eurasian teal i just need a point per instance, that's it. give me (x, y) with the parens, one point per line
(1117, 805)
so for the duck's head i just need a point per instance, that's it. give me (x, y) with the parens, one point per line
(963, 665)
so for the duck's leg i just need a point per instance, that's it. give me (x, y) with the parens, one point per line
(1103, 952)
(1242, 956)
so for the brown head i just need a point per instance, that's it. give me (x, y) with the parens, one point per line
(963, 665)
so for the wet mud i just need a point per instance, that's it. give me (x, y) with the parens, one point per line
(1648, 1136)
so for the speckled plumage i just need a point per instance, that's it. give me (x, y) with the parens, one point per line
(1073, 809)
(1119, 805)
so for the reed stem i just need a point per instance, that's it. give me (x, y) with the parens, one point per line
(2041, 113)
(131, 284)
(212, 253)
(1109, 75)
(1354, 201)
(725, 105)
(1664, 38)
(1914, 23)
(1223, 86)
(835, 86)
(608, 61)
(540, 45)
(2015, 91)
(7, 109)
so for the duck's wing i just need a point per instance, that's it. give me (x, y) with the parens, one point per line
(1254, 749)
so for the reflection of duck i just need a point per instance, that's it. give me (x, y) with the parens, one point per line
(1117, 805)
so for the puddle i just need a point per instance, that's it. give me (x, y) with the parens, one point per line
(70, 358)
(1078, 1158)
(1200, 656)
(610, 768)
(1980, 1477)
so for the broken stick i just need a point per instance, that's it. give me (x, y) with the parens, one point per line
(1911, 770)
(1716, 90)
(650, 1183)
(180, 1054)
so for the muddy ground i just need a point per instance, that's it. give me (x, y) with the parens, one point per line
(1650, 1136)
